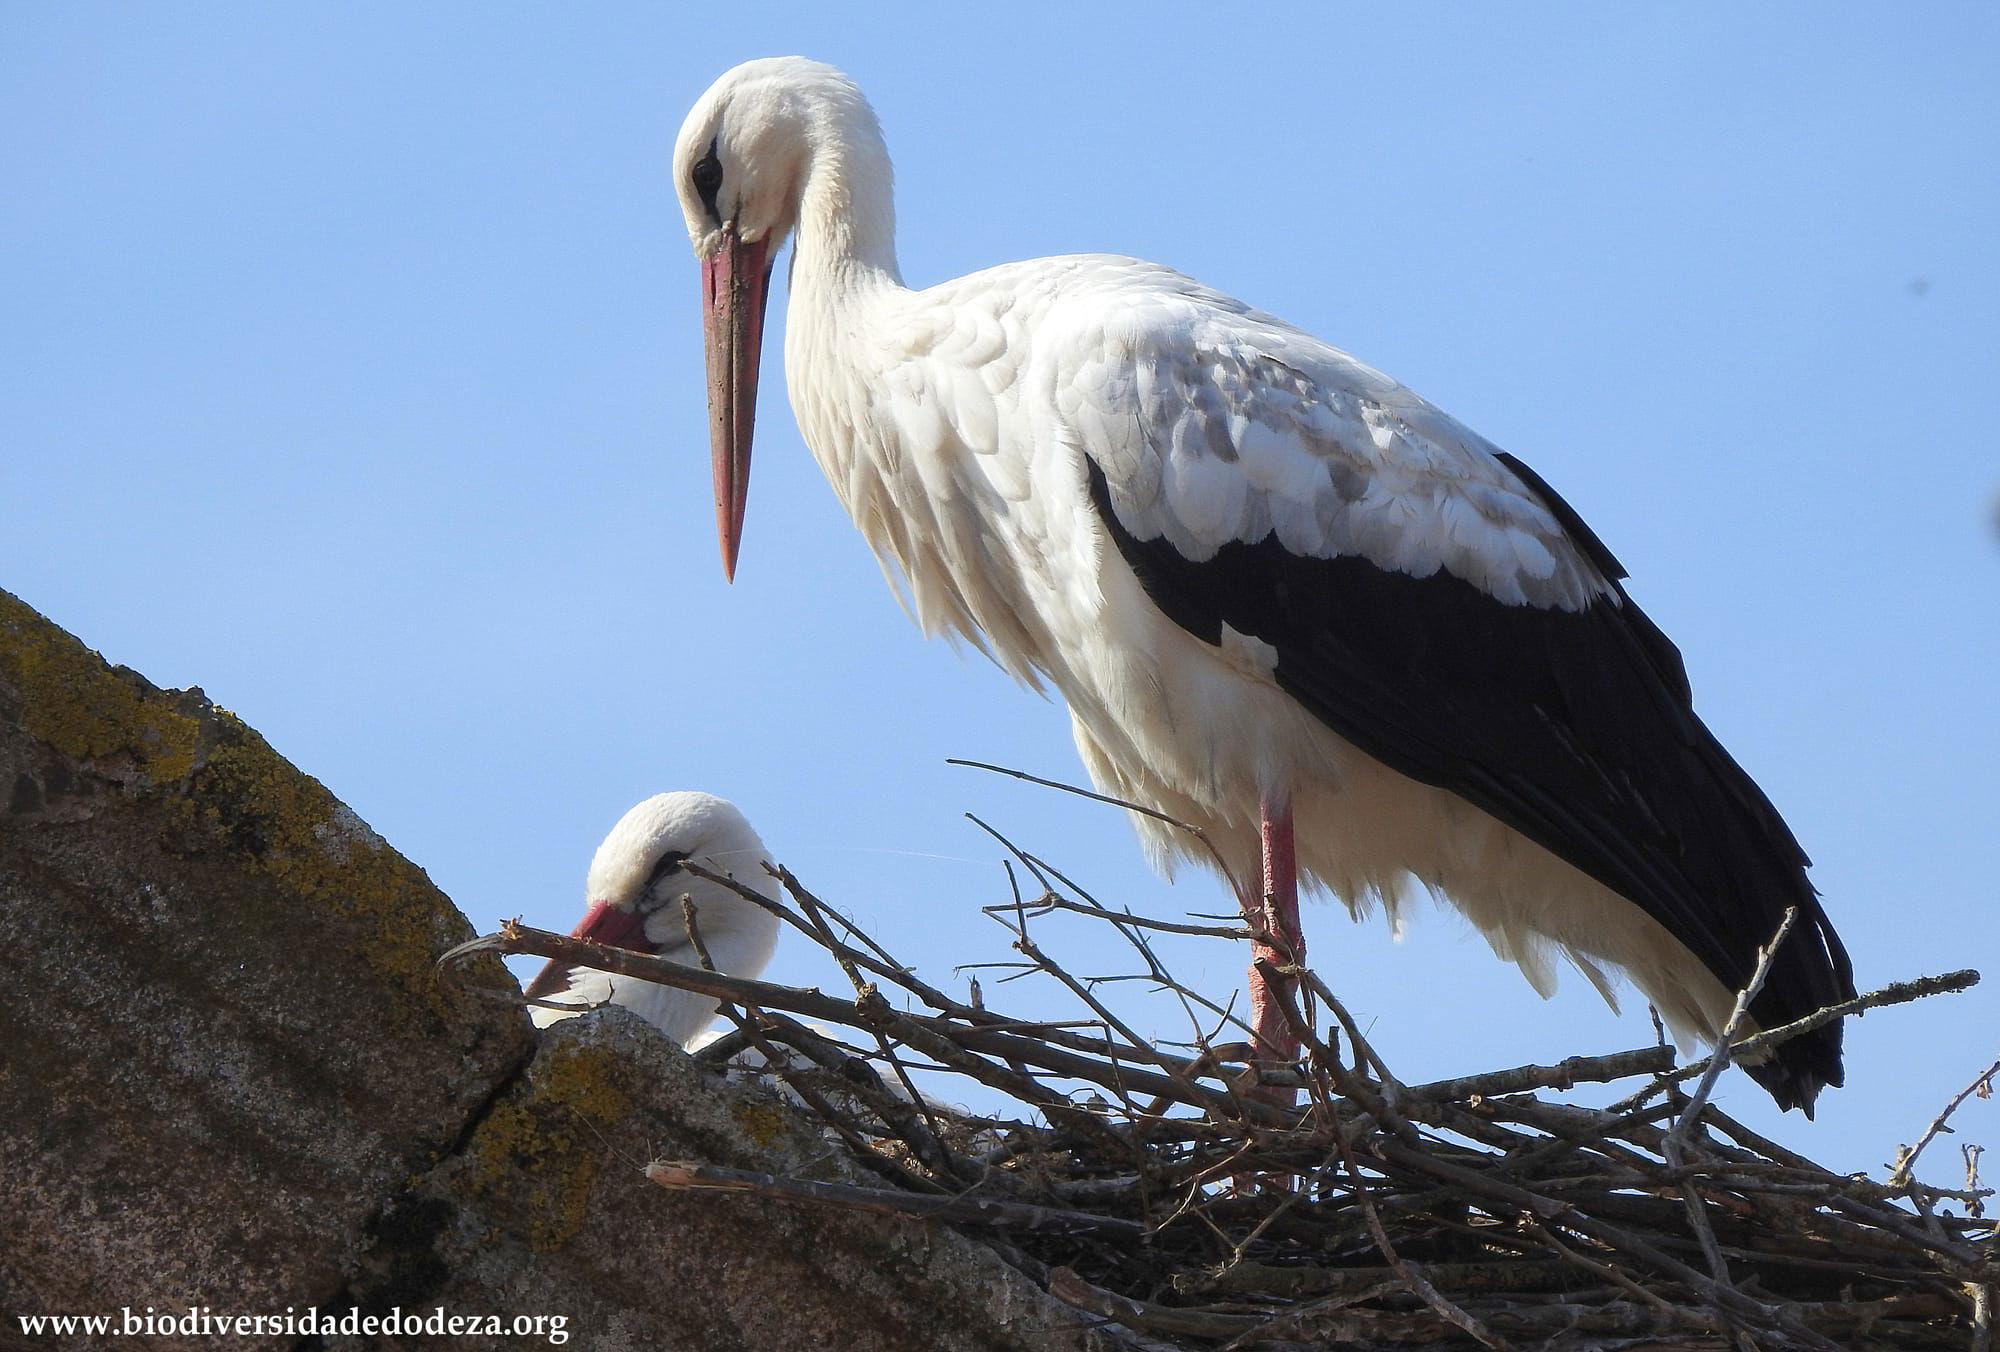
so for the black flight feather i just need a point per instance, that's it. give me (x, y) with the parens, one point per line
(1575, 728)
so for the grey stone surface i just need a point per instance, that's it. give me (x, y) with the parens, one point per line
(230, 1079)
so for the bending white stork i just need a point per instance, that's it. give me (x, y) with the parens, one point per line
(1286, 599)
(635, 887)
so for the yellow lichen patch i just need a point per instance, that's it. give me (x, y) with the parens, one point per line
(761, 1122)
(277, 820)
(535, 1172)
(287, 825)
(76, 703)
(582, 1078)
(534, 1158)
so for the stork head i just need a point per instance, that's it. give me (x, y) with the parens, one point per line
(635, 886)
(742, 164)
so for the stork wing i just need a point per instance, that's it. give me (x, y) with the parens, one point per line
(1434, 602)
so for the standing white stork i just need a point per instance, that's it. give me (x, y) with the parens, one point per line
(635, 885)
(1286, 599)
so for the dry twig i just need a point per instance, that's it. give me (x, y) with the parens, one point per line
(1982, 1085)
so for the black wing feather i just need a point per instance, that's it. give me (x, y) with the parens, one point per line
(1575, 728)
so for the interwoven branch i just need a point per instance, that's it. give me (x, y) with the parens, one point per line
(1176, 1210)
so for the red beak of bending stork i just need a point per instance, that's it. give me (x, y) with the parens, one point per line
(735, 281)
(603, 923)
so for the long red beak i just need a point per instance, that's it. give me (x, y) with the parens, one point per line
(613, 926)
(734, 284)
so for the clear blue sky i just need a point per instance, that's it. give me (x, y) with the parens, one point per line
(351, 371)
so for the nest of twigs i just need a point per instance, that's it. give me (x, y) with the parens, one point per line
(1176, 1200)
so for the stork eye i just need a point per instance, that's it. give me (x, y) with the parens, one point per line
(669, 864)
(706, 176)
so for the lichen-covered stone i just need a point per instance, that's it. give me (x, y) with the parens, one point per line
(554, 1207)
(229, 1078)
(223, 1043)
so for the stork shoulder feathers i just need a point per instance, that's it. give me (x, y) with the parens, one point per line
(1213, 423)
(1209, 423)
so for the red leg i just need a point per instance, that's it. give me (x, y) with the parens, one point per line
(1275, 1041)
